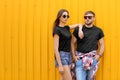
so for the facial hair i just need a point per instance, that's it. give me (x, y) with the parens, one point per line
(88, 23)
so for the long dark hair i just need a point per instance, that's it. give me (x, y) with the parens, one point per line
(56, 22)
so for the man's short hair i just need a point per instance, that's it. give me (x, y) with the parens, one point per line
(89, 12)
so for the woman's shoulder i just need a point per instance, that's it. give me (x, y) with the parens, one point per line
(57, 28)
(67, 27)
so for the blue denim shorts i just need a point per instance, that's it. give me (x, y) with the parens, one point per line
(66, 58)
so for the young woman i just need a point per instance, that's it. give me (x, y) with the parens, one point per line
(62, 44)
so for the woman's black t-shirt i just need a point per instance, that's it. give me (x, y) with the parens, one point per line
(90, 40)
(64, 38)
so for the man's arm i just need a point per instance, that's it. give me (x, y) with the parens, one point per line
(73, 41)
(100, 53)
(101, 41)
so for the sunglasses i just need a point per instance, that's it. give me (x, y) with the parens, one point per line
(89, 17)
(64, 16)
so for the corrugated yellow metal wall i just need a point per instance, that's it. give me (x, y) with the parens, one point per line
(26, 42)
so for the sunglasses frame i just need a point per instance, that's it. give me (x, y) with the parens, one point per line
(88, 17)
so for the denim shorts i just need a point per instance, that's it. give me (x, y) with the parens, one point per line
(66, 58)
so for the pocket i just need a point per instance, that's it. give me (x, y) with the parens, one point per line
(78, 63)
(94, 61)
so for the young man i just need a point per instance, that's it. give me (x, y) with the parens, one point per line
(87, 55)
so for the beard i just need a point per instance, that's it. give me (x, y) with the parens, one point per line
(89, 23)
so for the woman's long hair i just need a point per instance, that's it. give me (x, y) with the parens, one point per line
(57, 21)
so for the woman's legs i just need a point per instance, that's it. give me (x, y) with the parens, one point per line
(67, 74)
(66, 60)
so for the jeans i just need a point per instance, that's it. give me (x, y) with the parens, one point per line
(81, 73)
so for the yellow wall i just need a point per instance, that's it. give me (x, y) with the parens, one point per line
(26, 43)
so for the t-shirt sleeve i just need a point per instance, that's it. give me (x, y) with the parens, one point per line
(68, 27)
(56, 31)
(75, 32)
(101, 34)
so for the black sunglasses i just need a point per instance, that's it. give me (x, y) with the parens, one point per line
(89, 17)
(64, 16)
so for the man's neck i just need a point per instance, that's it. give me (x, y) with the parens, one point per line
(89, 26)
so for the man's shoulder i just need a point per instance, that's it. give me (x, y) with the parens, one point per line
(96, 27)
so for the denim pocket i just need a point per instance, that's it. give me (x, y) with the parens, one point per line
(94, 62)
(78, 63)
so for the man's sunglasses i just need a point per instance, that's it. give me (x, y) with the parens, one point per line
(89, 17)
(64, 16)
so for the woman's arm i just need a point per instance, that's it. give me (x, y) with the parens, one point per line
(56, 45)
(74, 26)
(80, 33)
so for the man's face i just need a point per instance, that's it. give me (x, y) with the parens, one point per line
(89, 18)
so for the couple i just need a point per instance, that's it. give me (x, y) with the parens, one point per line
(86, 36)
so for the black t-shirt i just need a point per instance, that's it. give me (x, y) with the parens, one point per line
(64, 38)
(90, 40)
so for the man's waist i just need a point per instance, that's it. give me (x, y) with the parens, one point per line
(91, 53)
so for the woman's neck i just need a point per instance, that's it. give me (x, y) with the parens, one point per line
(61, 24)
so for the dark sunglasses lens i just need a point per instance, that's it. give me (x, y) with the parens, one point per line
(89, 17)
(64, 16)
(68, 16)
(85, 17)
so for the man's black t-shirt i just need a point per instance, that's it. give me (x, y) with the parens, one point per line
(64, 38)
(90, 40)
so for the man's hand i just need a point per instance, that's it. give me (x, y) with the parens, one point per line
(97, 57)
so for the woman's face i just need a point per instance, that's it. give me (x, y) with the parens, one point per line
(64, 17)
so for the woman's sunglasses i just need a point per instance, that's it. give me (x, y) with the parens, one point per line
(64, 16)
(89, 17)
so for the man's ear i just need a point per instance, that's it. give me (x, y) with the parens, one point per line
(94, 19)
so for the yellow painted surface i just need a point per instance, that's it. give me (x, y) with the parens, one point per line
(26, 42)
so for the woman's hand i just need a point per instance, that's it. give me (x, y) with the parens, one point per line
(61, 69)
(76, 58)
(80, 26)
